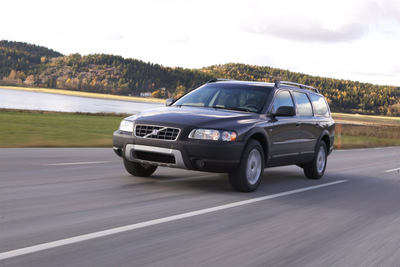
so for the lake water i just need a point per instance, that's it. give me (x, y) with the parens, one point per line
(15, 99)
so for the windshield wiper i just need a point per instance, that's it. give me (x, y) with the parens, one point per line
(233, 108)
(183, 105)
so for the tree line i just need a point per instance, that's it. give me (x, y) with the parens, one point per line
(24, 64)
(342, 95)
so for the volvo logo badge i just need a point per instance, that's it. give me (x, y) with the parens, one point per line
(154, 132)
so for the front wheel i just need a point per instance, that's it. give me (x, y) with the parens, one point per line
(316, 168)
(248, 175)
(138, 169)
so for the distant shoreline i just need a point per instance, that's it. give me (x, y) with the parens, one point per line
(84, 94)
(339, 117)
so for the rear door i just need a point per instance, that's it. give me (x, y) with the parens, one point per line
(284, 133)
(310, 129)
(322, 115)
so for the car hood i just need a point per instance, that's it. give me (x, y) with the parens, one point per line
(194, 116)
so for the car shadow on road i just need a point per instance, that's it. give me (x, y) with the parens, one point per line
(274, 180)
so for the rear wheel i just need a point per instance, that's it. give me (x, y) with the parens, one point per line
(138, 169)
(248, 175)
(316, 168)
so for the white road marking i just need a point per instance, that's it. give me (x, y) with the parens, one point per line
(393, 170)
(78, 163)
(76, 239)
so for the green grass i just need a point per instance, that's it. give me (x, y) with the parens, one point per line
(55, 129)
(366, 135)
(25, 129)
(348, 141)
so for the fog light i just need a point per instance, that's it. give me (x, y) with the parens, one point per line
(199, 163)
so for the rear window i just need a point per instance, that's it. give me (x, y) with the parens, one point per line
(320, 106)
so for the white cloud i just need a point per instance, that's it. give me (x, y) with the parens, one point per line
(345, 39)
(307, 30)
(320, 21)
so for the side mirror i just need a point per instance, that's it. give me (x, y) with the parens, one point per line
(169, 101)
(285, 111)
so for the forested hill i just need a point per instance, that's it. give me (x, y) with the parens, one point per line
(342, 95)
(22, 56)
(24, 64)
(28, 49)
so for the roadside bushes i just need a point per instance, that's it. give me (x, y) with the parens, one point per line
(371, 130)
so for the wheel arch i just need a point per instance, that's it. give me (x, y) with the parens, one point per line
(324, 137)
(260, 135)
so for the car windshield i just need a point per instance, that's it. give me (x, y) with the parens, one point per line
(248, 98)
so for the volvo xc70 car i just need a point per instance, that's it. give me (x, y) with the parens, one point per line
(234, 127)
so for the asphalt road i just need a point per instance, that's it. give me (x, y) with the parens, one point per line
(78, 207)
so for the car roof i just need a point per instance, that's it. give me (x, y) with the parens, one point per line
(277, 85)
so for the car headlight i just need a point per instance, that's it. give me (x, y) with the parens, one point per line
(208, 134)
(126, 126)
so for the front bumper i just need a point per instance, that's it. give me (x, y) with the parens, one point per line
(200, 155)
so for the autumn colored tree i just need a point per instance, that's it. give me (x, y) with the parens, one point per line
(112, 74)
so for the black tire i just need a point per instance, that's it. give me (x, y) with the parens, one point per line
(248, 175)
(316, 168)
(138, 169)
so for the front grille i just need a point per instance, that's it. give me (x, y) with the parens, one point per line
(156, 132)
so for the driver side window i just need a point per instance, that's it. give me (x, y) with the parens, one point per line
(282, 99)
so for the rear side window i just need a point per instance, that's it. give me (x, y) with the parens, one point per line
(320, 105)
(283, 99)
(303, 104)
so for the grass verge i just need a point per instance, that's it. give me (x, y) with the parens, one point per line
(348, 141)
(51, 129)
(363, 135)
(23, 128)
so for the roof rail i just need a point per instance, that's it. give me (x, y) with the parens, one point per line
(218, 80)
(302, 86)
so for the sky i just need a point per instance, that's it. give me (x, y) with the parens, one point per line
(355, 40)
